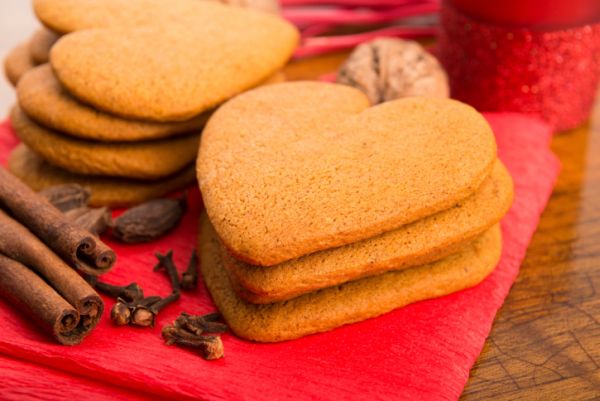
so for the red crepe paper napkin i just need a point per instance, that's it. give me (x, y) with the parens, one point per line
(26, 381)
(423, 351)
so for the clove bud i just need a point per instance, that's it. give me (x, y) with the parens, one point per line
(211, 347)
(166, 262)
(189, 278)
(141, 311)
(128, 293)
(120, 314)
(190, 331)
(201, 324)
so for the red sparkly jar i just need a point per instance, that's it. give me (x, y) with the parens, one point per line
(530, 56)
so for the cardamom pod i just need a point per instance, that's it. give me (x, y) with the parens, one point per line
(67, 197)
(148, 221)
(95, 221)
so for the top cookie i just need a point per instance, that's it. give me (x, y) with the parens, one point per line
(192, 64)
(43, 98)
(64, 16)
(294, 168)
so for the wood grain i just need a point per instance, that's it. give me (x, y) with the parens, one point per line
(545, 342)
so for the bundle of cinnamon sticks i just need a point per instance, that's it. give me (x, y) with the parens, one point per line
(39, 252)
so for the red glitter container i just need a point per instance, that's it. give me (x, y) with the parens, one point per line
(530, 56)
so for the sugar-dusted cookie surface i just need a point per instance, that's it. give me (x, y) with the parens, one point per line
(41, 43)
(290, 169)
(44, 99)
(351, 302)
(423, 241)
(147, 160)
(195, 62)
(106, 191)
(17, 62)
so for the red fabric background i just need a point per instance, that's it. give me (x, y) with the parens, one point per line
(421, 352)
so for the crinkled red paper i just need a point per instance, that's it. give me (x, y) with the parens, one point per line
(420, 352)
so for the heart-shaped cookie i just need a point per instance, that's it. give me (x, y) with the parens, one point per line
(43, 99)
(106, 191)
(290, 169)
(66, 16)
(424, 241)
(147, 160)
(174, 70)
(348, 303)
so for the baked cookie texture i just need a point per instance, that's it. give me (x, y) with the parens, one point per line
(44, 99)
(348, 303)
(40, 44)
(17, 62)
(106, 191)
(66, 16)
(291, 169)
(196, 61)
(148, 160)
(427, 240)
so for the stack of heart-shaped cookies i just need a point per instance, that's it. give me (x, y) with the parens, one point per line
(322, 211)
(128, 87)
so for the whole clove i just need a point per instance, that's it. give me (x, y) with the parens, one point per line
(120, 313)
(210, 347)
(191, 331)
(67, 197)
(189, 278)
(160, 305)
(129, 293)
(201, 324)
(132, 307)
(166, 262)
(142, 314)
(209, 317)
(150, 220)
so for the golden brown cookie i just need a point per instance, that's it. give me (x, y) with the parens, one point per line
(43, 98)
(268, 6)
(41, 43)
(423, 241)
(194, 63)
(106, 191)
(348, 303)
(73, 15)
(290, 169)
(17, 62)
(148, 160)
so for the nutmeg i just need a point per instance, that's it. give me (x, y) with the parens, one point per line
(269, 6)
(386, 69)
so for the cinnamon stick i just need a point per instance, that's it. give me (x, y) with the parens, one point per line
(74, 244)
(28, 291)
(20, 244)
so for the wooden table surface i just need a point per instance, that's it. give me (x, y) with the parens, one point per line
(545, 343)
